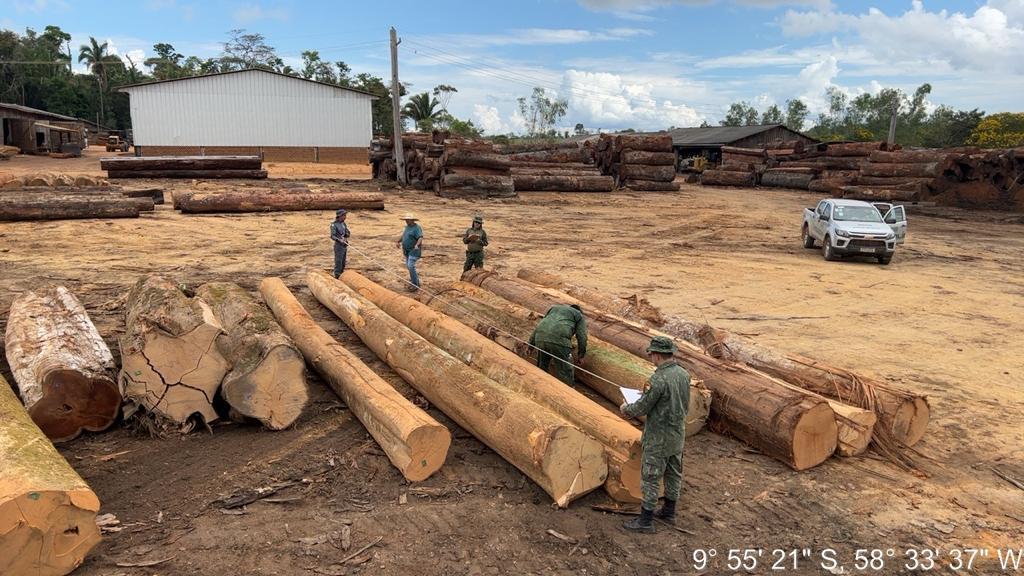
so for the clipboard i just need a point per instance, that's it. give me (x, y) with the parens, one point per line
(631, 395)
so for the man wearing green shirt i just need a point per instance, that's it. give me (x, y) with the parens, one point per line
(475, 238)
(411, 243)
(553, 339)
(664, 403)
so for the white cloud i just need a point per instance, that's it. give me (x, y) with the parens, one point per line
(541, 36)
(638, 9)
(603, 99)
(249, 13)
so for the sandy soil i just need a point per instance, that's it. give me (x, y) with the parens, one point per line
(945, 318)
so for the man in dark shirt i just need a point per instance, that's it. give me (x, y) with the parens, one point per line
(339, 236)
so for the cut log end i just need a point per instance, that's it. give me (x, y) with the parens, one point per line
(73, 402)
(623, 482)
(428, 448)
(910, 421)
(573, 462)
(274, 393)
(47, 532)
(814, 437)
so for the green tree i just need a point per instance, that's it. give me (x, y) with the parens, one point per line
(167, 63)
(423, 110)
(313, 68)
(248, 50)
(541, 112)
(100, 62)
(580, 130)
(773, 115)
(946, 127)
(1003, 130)
(740, 114)
(796, 114)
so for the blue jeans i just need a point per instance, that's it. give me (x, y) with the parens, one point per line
(410, 263)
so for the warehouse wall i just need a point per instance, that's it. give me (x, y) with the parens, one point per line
(249, 109)
(326, 155)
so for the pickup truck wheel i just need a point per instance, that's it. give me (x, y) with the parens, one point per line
(806, 237)
(884, 260)
(826, 250)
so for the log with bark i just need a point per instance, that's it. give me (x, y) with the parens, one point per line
(899, 183)
(47, 512)
(414, 442)
(190, 174)
(825, 162)
(792, 427)
(535, 146)
(556, 171)
(170, 364)
(919, 156)
(751, 152)
(114, 192)
(563, 183)
(795, 180)
(737, 166)
(69, 208)
(471, 158)
(63, 368)
(267, 381)
(492, 185)
(652, 186)
(554, 156)
(149, 163)
(559, 457)
(648, 158)
(831, 186)
(554, 165)
(211, 202)
(930, 169)
(64, 196)
(645, 172)
(727, 178)
(793, 170)
(644, 142)
(879, 193)
(857, 148)
(904, 414)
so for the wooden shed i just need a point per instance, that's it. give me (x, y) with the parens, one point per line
(708, 141)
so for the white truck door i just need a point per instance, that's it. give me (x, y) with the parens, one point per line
(824, 214)
(896, 218)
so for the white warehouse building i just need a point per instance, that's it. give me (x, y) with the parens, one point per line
(251, 112)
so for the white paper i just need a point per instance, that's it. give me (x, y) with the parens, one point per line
(631, 395)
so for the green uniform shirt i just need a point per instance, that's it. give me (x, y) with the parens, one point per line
(477, 246)
(410, 235)
(558, 327)
(665, 404)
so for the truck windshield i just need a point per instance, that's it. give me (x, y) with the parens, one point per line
(857, 214)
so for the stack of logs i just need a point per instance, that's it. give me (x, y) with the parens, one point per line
(282, 198)
(41, 203)
(196, 167)
(643, 162)
(823, 167)
(555, 167)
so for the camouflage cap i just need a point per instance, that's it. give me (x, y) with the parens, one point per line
(662, 345)
(340, 212)
(478, 218)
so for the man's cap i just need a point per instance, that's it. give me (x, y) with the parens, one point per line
(478, 218)
(662, 345)
(409, 216)
(340, 212)
(576, 306)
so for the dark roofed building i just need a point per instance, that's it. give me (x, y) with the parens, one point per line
(708, 141)
(38, 131)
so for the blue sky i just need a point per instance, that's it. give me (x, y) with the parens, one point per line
(645, 64)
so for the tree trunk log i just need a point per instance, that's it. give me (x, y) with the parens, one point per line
(62, 366)
(474, 159)
(267, 381)
(203, 203)
(591, 171)
(415, 443)
(559, 457)
(68, 209)
(554, 156)
(786, 180)
(149, 163)
(825, 162)
(651, 186)
(535, 147)
(833, 187)
(190, 174)
(564, 183)
(170, 364)
(47, 512)
(895, 183)
(854, 148)
(554, 165)
(644, 172)
(794, 428)
(499, 184)
(112, 192)
(620, 439)
(64, 196)
(727, 178)
(643, 142)
(901, 170)
(751, 152)
(915, 156)
(878, 193)
(648, 158)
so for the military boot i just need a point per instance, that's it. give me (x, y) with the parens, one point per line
(667, 512)
(643, 523)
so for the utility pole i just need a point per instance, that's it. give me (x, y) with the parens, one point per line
(892, 123)
(396, 110)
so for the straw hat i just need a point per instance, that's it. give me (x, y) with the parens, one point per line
(409, 216)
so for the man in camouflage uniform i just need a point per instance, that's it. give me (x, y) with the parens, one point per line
(340, 234)
(553, 339)
(475, 238)
(664, 403)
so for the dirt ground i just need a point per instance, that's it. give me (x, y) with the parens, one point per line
(945, 318)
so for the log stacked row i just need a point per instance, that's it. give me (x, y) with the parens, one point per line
(276, 199)
(195, 167)
(556, 167)
(643, 162)
(43, 203)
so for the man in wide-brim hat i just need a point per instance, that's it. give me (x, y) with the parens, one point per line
(411, 243)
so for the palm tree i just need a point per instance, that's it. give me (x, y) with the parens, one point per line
(95, 56)
(422, 109)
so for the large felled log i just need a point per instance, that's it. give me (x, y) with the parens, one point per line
(62, 366)
(905, 414)
(751, 152)
(645, 172)
(856, 148)
(564, 183)
(930, 169)
(621, 440)
(200, 203)
(554, 156)
(114, 192)
(648, 158)
(606, 368)
(825, 162)
(415, 443)
(786, 180)
(652, 186)
(644, 142)
(536, 146)
(727, 178)
(267, 380)
(170, 364)
(554, 165)
(462, 157)
(72, 208)
(794, 428)
(499, 184)
(879, 193)
(556, 171)
(190, 174)
(558, 456)
(47, 512)
(65, 196)
(135, 163)
(828, 186)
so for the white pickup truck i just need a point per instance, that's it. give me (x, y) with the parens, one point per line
(852, 227)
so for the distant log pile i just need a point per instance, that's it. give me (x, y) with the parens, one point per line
(72, 203)
(196, 167)
(49, 180)
(642, 162)
(272, 199)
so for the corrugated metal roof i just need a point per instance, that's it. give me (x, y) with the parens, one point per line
(27, 110)
(716, 135)
(144, 84)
